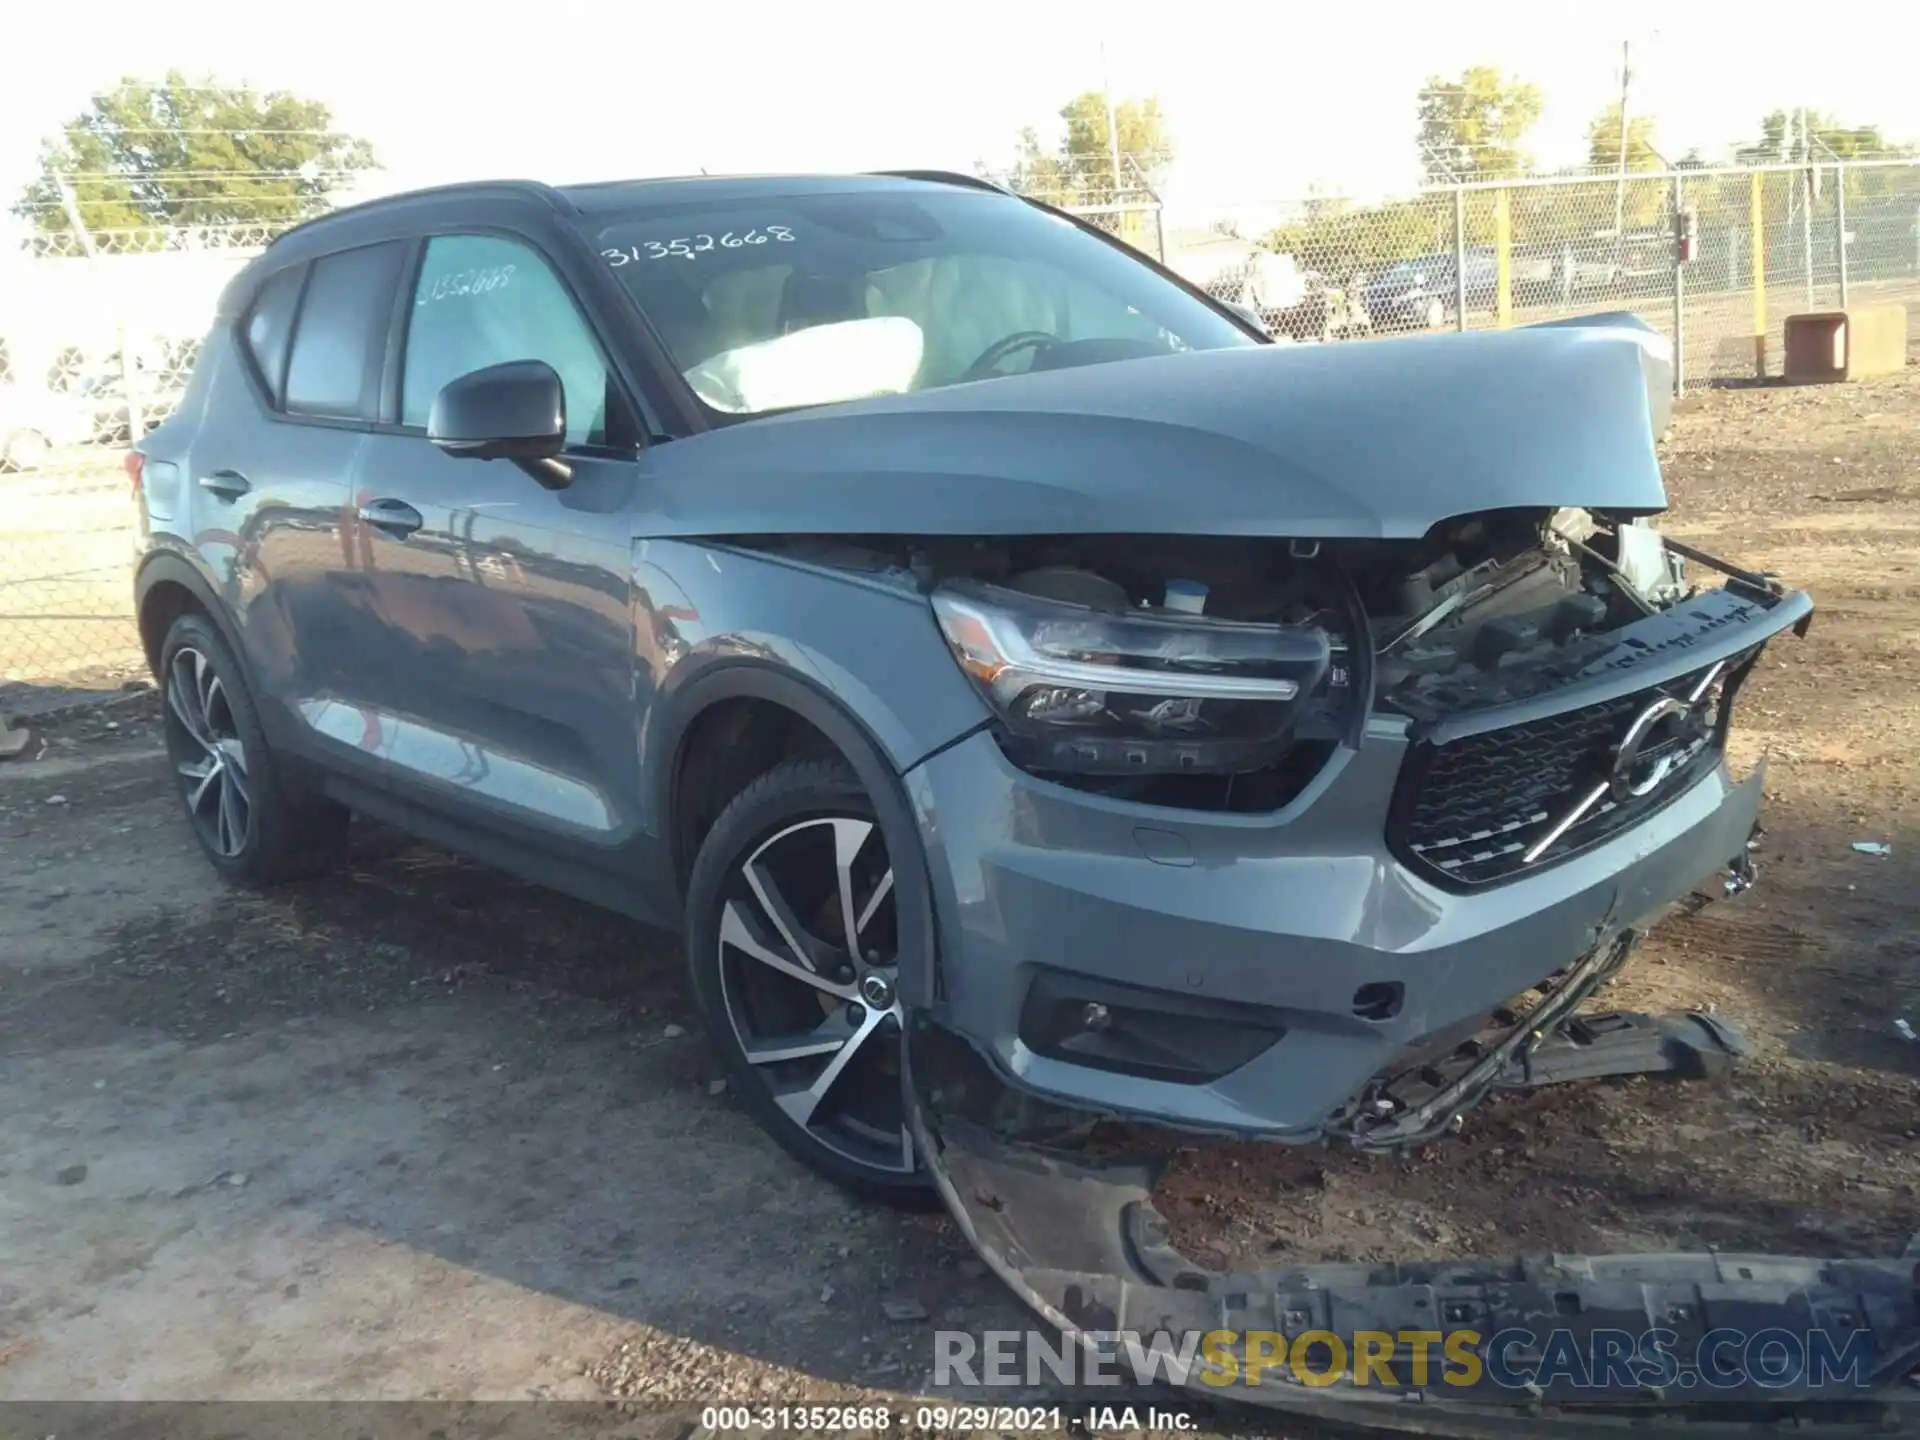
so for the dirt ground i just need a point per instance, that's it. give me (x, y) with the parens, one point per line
(419, 1130)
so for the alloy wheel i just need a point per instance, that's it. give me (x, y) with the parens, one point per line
(209, 759)
(809, 975)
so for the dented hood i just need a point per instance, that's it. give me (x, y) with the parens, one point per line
(1376, 440)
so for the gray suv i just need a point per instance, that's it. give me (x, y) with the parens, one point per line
(950, 621)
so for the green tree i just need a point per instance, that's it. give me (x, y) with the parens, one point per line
(1472, 127)
(183, 152)
(1603, 141)
(1643, 202)
(1782, 138)
(1079, 170)
(1039, 172)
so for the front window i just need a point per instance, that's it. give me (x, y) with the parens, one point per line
(789, 300)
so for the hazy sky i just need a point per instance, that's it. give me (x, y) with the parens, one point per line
(1263, 100)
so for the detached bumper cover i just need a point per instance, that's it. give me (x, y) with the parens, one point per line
(1702, 1344)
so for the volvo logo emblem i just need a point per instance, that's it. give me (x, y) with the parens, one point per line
(1660, 738)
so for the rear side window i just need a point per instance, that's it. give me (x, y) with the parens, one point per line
(269, 323)
(341, 340)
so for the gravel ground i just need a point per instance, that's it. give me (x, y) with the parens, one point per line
(420, 1131)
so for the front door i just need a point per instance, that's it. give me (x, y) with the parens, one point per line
(504, 605)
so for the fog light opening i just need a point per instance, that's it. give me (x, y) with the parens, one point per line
(1379, 999)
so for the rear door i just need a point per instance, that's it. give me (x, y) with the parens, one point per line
(506, 631)
(269, 470)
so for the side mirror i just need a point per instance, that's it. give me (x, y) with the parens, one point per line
(515, 411)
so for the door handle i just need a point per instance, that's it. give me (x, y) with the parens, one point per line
(227, 484)
(395, 517)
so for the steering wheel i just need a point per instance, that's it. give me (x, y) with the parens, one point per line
(1035, 340)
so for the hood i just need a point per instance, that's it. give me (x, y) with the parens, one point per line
(1379, 439)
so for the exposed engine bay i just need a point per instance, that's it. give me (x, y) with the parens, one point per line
(1486, 610)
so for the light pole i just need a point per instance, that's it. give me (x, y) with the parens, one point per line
(1620, 186)
(1113, 125)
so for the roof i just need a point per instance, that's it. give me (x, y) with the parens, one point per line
(612, 196)
(616, 195)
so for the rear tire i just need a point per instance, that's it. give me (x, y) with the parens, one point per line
(809, 1026)
(254, 827)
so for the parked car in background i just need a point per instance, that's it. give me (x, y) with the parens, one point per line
(1637, 262)
(1420, 294)
(34, 422)
(1324, 311)
(1646, 259)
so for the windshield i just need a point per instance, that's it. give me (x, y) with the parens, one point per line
(771, 303)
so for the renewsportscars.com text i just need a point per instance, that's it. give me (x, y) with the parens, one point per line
(1517, 1359)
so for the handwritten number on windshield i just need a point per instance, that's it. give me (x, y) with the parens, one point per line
(688, 247)
(464, 282)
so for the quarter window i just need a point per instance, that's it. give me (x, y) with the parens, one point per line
(482, 301)
(269, 324)
(341, 340)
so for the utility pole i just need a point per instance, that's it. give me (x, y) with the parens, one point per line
(1113, 125)
(1620, 188)
(1805, 177)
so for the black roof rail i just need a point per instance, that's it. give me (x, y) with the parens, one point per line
(479, 189)
(947, 177)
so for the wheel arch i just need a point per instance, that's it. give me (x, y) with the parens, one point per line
(774, 695)
(167, 587)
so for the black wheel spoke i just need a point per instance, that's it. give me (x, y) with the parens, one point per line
(779, 914)
(802, 1102)
(827, 1038)
(849, 837)
(183, 698)
(880, 892)
(734, 933)
(233, 759)
(205, 775)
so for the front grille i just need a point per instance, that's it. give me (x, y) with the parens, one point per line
(1468, 811)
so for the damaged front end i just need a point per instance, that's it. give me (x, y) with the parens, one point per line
(1551, 690)
(1547, 1345)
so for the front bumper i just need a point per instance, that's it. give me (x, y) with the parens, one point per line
(1562, 1345)
(1301, 920)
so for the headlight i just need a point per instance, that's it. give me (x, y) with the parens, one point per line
(1134, 692)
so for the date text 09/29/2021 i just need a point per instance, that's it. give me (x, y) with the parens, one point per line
(937, 1418)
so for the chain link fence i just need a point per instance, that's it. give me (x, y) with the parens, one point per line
(99, 329)
(1767, 242)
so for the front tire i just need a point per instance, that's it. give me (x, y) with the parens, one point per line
(793, 946)
(251, 824)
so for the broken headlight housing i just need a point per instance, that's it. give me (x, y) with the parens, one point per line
(1106, 692)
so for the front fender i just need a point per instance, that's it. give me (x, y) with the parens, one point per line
(869, 643)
